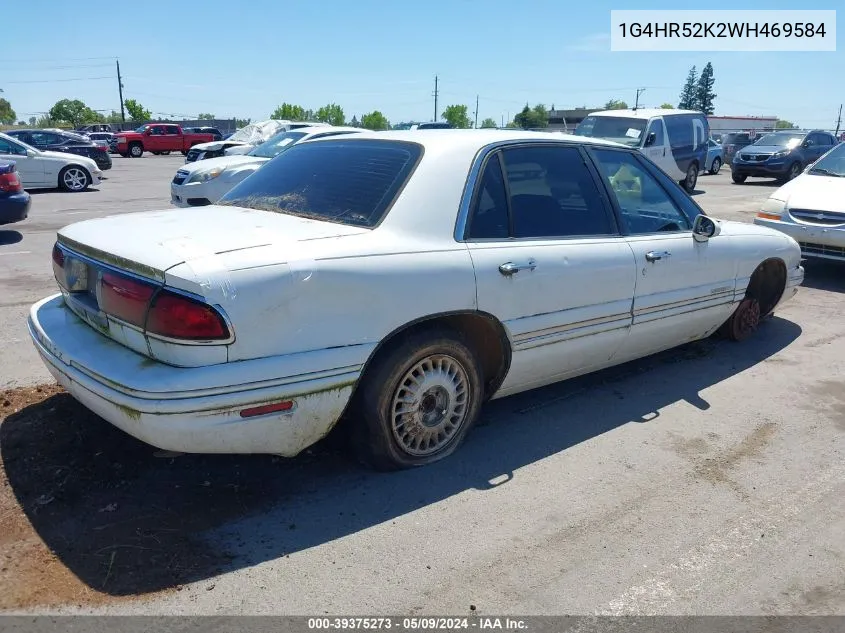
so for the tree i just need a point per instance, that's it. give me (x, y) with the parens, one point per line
(375, 120)
(456, 116)
(72, 111)
(689, 97)
(114, 117)
(239, 123)
(331, 114)
(704, 95)
(529, 118)
(289, 112)
(7, 115)
(615, 104)
(137, 111)
(667, 106)
(205, 116)
(32, 121)
(488, 122)
(354, 122)
(783, 124)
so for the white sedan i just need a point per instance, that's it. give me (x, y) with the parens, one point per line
(46, 170)
(399, 278)
(811, 207)
(205, 182)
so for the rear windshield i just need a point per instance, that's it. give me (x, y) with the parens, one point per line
(343, 181)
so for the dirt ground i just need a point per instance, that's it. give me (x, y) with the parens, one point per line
(60, 485)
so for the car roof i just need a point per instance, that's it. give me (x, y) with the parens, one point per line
(324, 129)
(644, 113)
(471, 140)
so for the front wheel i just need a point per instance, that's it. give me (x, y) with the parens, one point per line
(738, 178)
(744, 321)
(136, 150)
(691, 179)
(418, 401)
(74, 178)
(794, 172)
(715, 166)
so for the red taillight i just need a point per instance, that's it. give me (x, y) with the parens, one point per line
(178, 317)
(277, 407)
(125, 298)
(58, 256)
(10, 183)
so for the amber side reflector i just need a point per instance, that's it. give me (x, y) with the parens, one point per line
(276, 407)
(768, 216)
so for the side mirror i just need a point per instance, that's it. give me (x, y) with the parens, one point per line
(704, 228)
(807, 143)
(649, 140)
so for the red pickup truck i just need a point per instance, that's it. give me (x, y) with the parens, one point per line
(158, 138)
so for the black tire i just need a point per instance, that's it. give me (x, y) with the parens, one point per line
(715, 166)
(74, 178)
(136, 150)
(384, 446)
(691, 179)
(738, 178)
(793, 173)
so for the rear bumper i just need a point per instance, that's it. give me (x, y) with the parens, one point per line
(819, 242)
(193, 410)
(14, 207)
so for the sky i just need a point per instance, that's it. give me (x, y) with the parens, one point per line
(242, 59)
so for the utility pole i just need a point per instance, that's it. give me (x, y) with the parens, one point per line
(637, 100)
(838, 121)
(435, 98)
(120, 91)
(476, 111)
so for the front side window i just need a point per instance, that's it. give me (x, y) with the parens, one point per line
(8, 148)
(645, 206)
(157, 130)
(337, 180)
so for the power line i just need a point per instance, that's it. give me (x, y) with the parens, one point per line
(50, 81)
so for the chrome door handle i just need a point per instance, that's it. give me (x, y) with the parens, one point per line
(653, 256)
(510, 268)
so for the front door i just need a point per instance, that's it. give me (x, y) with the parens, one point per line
(156, 141)
(684, 289)
(549, 262)
(30, 170)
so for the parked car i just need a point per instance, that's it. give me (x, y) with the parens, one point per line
(14, 201)
(45, 170)
(216, 134)
(437, 125)
(205, 182)
(103, 139)
(811, 208)
(733, 142)
(675, 140)
(716, 137)
(781, 155)
(715, 157)
(402, 278)
(64, 142)
(243, 140)
(157, 138)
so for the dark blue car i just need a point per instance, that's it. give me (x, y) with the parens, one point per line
(781, 155)
(14, 201)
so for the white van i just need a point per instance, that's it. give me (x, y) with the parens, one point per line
(675, 140)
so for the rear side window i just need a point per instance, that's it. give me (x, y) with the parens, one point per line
(344, 181)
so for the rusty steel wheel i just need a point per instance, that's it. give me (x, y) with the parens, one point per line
(745, 320)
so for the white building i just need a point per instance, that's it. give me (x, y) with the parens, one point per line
(752, 124)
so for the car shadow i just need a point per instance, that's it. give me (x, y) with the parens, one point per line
(127, 523)
(39, 192)
(759, 183)
(824, 275)
(8, 237)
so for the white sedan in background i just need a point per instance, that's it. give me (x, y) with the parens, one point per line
(39, 169)
(397, 281)
(811, 207)
(205, 182)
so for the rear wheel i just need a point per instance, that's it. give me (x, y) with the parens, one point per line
(715, 166)
(738, 178)
(691, 179)
(74, 178)
(418, 400)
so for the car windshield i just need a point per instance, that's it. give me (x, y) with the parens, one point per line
(831, 164)
(275, 145)
(780, 139)
(343, 181)
(628, 131)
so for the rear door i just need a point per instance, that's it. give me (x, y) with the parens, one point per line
(173, 139)
(549, 262)
(684, 289)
